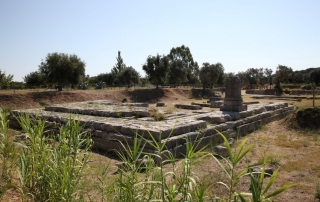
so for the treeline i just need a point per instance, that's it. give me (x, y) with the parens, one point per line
(177, 68)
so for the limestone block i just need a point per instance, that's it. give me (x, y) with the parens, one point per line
(141, 113)
(216, 104)
(221, 127)
(221, 151)
(160, 104)
(97, 125)
(184, 106)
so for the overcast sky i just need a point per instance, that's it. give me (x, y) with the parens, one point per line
(239, 34)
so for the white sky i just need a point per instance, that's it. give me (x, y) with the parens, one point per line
(239, 34)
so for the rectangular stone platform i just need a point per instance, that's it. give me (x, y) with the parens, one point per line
(109, 130)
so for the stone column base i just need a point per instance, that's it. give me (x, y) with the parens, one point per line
(234, 108)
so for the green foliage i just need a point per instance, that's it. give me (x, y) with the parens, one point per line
(157, 116)
(61, 68)
(317, 187)
(117, 69)
(235, 174)
(8, 155)
(256, 76)
(183, 69)
(34, 79)
(119, 115)
(309, 118)
(107, 78)
(124, 100)
(130, 76)
(158, 183)
(315, 77)
(119, 66)
(5, 80)
(53, 172)
(17, 85)
(283, 74)
(259, 193)
(157, 68)
(210, 73)
(43, 103)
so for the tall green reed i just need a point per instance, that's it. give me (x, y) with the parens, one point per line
(235, 173)
(8, 155)
(53, 172)
(159, 182)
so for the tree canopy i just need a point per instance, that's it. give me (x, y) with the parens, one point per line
(130, 76)
(118, 68)
(183, 69)
(256, 76)
(210, 73)
(315, 76)
(5, 80)
(283, 74)
(157, 68)
(34, 79)
(61, 69)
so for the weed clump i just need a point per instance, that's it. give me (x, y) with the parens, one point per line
(43, 103)
(124, 100)
(309, 118)
(158, 116)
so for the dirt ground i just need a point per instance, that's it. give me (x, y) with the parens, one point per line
(294, 152)
(33, 99)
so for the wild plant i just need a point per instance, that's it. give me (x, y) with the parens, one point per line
(236, 173)
(53, 172)
(159, 183)
(157, 116)
(43, 103)
(317, 187)
(103, 184)
(8, 155)
(126, 188)
(259, 193)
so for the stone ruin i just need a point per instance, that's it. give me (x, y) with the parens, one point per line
(233, 100)
(111, 124)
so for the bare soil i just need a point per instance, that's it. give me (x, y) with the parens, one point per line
(34, 99)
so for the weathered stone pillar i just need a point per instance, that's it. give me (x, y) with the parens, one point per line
(233, 100)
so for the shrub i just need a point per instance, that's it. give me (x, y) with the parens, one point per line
(157, 116)
(124, 100)
(43, 103)
(309, 118)
(317, 194)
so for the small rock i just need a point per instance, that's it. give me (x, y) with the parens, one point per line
(160, 104)
(221, 151)
(267, 171)
(231, 141)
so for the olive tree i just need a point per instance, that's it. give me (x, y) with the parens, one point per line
(130, 76)
(283, 73)
(61, 69)
(183, 69)
(210, 73)
(34, 79)
(5, 80)
(156, 68)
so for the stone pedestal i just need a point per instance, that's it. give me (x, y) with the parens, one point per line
(233, 100)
